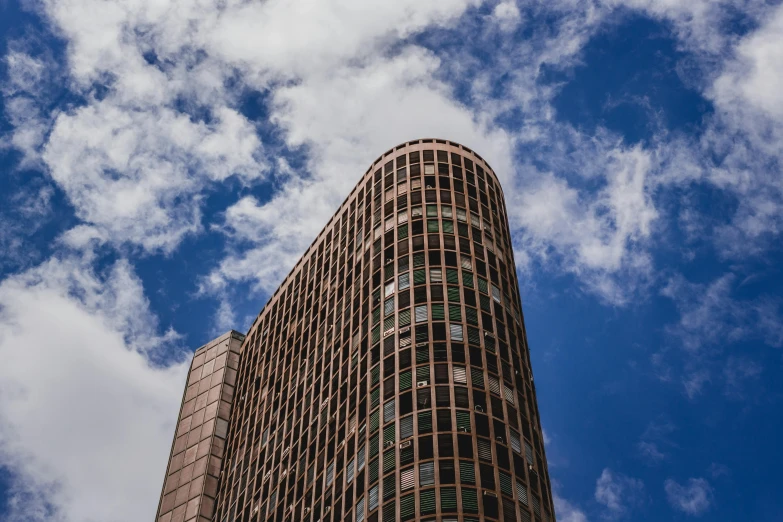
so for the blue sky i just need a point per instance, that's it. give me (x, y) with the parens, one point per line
(163, 165)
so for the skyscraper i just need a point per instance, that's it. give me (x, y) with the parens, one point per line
(387, 379)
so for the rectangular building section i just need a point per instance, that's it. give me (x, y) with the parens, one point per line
(191, 483)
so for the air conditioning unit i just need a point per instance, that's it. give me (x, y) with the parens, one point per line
(307, 511)
(406, 444)
(478, 408)
(490, 493)
(340, 446)
(420, 384)
(463, 429)
(267, 475)
(500, 439)
(283, 473)
(388, 444)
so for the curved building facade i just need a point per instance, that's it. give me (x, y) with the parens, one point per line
(388, 378)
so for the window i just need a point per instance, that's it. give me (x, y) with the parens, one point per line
(388, 464)
(459, 375)
(427, 502)
(494, 385)
(389, 290)
(522, 493)
(426, 474)
(470, 501)
(436, 275)
(467, 472)
(425, 421)
(360, 459)
(463, 421)
(360, 510)
(407, 479)
(421, 314)
(329, 474)
(508, 394)
(407, 507)
(404, 280)
(406, 427)
(516, 443)
(388, 411)
(448, 499)
(536, 505)
(456, 332)
(484, 450)
(505, 483)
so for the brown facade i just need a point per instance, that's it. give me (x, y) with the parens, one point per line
(191, 482)
(388, 378)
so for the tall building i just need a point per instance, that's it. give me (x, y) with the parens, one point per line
(387, 379)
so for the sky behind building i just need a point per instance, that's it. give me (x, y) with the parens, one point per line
(164, 164)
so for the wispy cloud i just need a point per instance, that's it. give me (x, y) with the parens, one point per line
(656, 441)
(618, 493)
(693, 498)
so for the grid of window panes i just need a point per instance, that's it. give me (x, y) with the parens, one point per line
(388, 378)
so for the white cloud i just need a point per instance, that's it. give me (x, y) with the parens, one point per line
(694, 498)
(755, 72)
(595, 235)
(617, 492)
(86, 417)
(136, 175)
(28, 80)
(567, 512)
(506, 14)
